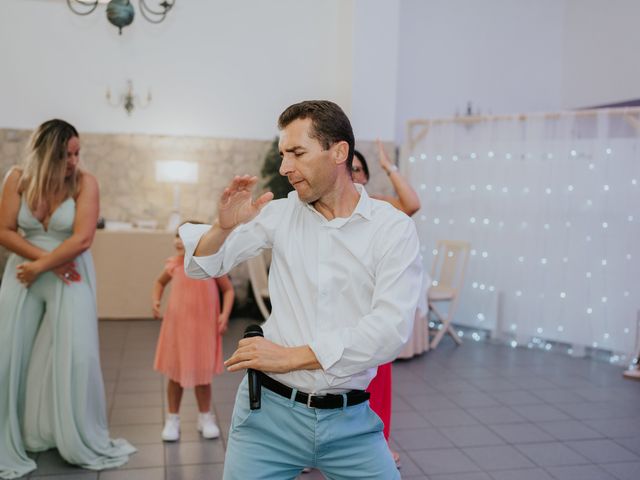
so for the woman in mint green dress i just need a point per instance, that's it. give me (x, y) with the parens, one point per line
(51, 389)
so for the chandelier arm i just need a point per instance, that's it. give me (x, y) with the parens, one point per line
(144, 8)
(93, 4)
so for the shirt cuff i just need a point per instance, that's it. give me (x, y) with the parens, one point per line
(328, 350)
(198, 267)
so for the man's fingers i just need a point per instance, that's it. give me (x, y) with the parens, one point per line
(263, 199)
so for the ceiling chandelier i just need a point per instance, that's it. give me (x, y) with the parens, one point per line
(120, 12)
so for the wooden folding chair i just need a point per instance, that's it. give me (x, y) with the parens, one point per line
(449, 268)
(259, 279)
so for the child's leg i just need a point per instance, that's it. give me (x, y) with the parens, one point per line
(203, 396)
(206, 420)
(174, 396)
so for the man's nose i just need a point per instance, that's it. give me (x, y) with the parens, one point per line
(285, 167)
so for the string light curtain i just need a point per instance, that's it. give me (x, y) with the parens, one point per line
(550, 204)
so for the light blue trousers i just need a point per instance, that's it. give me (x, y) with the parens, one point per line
(281, 438)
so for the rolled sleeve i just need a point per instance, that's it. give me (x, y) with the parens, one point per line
(244, 242)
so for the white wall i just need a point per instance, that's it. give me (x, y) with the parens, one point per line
(216, 68)
(375, 68)
(503, 55)
(601, 52)
(225, 68)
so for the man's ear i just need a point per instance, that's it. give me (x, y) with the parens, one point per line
(340, 152)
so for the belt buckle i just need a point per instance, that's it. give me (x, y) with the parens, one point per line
(309, 395)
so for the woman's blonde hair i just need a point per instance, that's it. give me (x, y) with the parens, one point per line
(45, 166)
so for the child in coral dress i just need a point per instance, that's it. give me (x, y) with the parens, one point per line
(189, 350)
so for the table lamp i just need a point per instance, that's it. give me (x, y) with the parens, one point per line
(176, 172)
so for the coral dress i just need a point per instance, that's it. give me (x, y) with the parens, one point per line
(189, 348)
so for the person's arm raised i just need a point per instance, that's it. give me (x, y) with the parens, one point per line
(408, 200)
(235, 207)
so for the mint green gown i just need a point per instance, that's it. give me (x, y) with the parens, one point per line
(51, 389)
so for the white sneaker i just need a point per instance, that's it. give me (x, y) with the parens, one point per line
(207, 425)
(171, 430)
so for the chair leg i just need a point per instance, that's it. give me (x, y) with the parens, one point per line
(446, 328)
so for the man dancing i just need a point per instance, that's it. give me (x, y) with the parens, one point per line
(344, 284)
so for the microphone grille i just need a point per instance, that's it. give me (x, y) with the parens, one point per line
(254, 330)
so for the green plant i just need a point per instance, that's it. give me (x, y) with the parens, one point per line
(275, 182)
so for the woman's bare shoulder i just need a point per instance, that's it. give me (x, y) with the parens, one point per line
(13, 177)
(86, 181)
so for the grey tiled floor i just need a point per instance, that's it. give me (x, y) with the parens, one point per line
(476, 412)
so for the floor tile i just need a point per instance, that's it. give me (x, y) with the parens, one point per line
(616, 428)
(51, 463)
(408, 420)
(523, 474)
(580, 472)
(496, 415)
(449, 460)
(421, 439)
(195, 472)
(67, 476)
(540, 413)
(450, 418)
(521, 433)
(471, 436)
(551, 454)
(503, 457)
(623, 471)
(459, 476)
(135, 474)
(631, 443)
(569, 430)
(186, 453)
(603, 451)
(148, 455)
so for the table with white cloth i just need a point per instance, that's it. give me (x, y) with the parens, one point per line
(127, 263)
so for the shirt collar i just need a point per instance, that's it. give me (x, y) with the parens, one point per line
(363, 207)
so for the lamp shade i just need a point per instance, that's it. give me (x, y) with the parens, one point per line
(176, 171)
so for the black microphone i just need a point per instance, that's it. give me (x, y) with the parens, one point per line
(254, 379)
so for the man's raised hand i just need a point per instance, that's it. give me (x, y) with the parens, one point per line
(236, 205)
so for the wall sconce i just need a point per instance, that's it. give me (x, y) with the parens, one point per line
(176, 172)
(128, 99)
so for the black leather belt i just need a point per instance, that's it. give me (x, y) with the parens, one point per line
(354, 397)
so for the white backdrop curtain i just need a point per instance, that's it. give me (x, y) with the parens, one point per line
(550, 203)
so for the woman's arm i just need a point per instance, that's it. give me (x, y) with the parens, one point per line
(228, 295)
(156, 294)
(407, 200)
(84, 229)
(9, 209)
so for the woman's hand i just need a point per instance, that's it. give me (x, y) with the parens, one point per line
(28, 272)
(67, 273)
(385, 163)
(155, 308)
(223, 323)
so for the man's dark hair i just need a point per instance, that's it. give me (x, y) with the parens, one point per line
(329, 124)
(365, 167)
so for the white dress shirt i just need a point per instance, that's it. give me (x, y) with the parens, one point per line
(347, 287)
